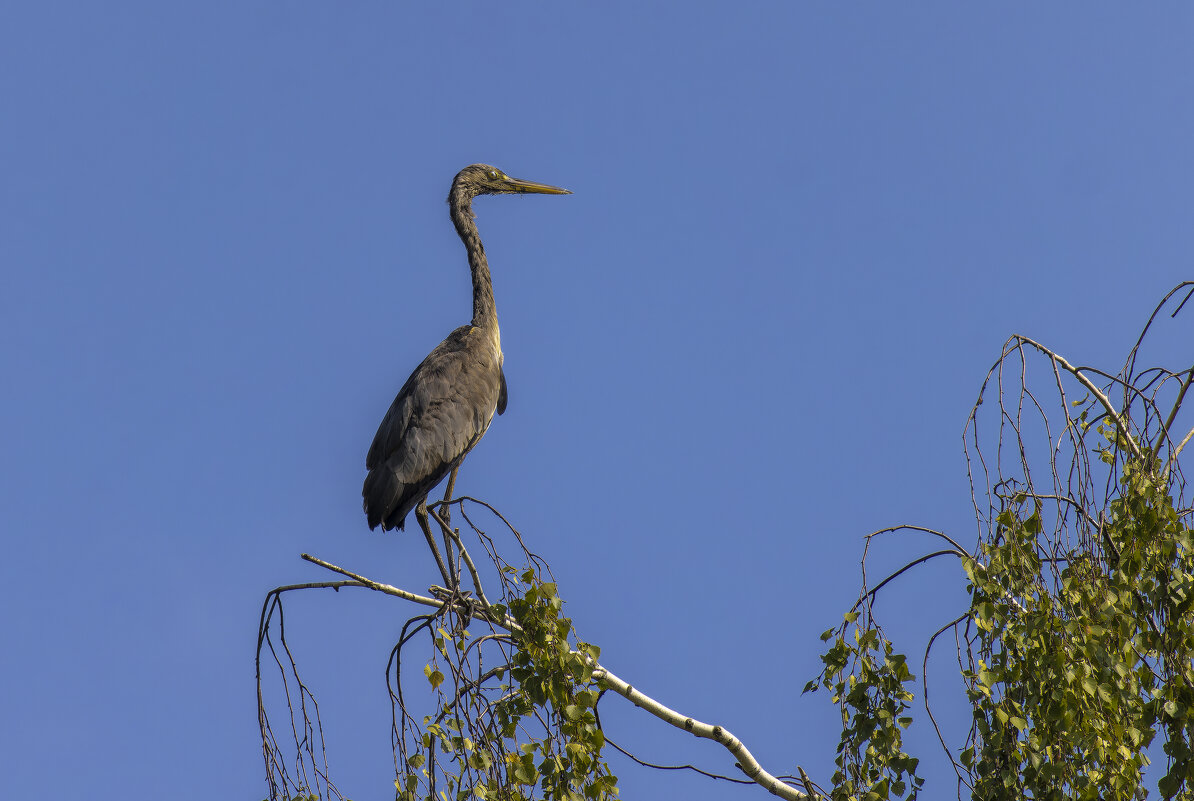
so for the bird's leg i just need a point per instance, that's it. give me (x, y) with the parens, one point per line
(421, 516)
(446, 514)
(468, 560)
(453, 564)
(444, 518)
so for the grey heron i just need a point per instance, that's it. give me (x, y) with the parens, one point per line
(448, 402)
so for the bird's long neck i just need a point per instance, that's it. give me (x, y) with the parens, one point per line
(484, 309)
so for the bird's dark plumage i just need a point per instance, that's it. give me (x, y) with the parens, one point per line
(446, 405)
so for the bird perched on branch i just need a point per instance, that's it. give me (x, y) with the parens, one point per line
(446, 405)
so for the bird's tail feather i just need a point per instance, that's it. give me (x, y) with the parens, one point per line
(379, 495)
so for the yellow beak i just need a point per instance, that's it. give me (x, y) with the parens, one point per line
(519, 185)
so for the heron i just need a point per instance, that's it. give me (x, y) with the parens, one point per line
(448, 402)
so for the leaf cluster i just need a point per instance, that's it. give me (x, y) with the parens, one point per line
(540, 737)
(868, 680)
(1074, 681)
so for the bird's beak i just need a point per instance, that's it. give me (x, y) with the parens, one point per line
(519, 185)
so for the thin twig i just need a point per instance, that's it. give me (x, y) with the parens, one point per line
(870, 594)
(1092, 389)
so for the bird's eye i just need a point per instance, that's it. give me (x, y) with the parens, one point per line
(493, 173)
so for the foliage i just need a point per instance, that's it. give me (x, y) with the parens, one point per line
(1077, 648)
(1074, 681)
(546, 682)
(868, 681)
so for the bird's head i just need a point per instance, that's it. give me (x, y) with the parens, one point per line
(482, 179)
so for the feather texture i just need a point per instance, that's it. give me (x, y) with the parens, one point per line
(440, 413)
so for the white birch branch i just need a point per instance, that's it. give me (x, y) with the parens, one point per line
(746, 760)
(482, 612)
(1183, 444)
(375, 585)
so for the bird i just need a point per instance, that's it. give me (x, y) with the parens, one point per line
(448, 402)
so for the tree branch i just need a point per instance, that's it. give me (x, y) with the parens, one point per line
(1181, 445)
(1091, 388)
(746, 760)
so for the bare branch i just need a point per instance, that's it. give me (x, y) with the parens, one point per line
(655, 766)
(1181, 445)
(374, 585)
(871, 593)
(746, 760)
(1091, 388)
(646, 764)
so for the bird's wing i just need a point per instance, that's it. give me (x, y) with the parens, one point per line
(440, 412)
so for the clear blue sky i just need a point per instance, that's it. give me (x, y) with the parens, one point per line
(799, 235)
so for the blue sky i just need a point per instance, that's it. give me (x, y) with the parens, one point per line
(799, 236)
